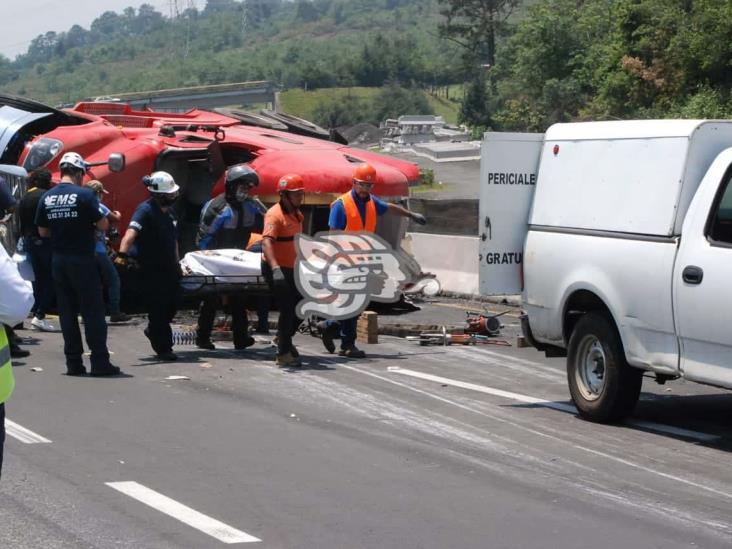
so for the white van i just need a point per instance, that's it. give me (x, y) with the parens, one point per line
(626, 258)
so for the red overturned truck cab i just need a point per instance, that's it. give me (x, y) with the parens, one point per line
(196, 147)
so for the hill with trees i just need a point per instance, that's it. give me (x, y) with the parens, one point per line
(302, 44)
(522, 64)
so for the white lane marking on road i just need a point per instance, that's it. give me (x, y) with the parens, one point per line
(610, 457)
(191, 517)
(26, 436)
(561, 406)
(479, 356)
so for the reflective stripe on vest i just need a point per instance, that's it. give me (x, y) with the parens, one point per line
(354, 221)
(7, 383)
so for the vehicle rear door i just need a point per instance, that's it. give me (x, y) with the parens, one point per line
(703, 280)
(509, 165)
(13, 120)
(15, 178)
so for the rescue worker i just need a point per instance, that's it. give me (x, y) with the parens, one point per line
(226, 223)
(69, 214)
(153, 230)
(358, 210)
(16, 299)
(282, 222)
(110, 276)
(38, 249)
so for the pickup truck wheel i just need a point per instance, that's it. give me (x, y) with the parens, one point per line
(604, 387)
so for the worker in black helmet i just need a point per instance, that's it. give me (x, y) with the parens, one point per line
(226, 223)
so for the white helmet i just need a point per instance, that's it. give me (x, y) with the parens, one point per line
(161, 183)
(73, 160)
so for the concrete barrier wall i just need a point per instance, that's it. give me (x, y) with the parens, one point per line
(454, 259)
(446, 216)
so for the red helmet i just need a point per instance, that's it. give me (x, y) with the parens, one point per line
(290, 182)
(365, 173)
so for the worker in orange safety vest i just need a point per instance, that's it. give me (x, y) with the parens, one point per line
(358, 210)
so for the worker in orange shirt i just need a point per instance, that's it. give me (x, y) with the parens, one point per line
(282, 223)
(358, 210)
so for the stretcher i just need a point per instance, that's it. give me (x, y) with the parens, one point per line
(223, 272)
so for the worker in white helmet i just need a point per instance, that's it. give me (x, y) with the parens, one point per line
(153, 231)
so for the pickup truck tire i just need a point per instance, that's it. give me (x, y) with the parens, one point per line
(604, 387)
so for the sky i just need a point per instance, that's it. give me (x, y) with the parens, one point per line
(23, 20)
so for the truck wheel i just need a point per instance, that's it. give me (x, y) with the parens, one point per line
(604, 387)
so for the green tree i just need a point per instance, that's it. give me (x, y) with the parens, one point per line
(474, 109)
(475, 24)
(394, 101)
(340, 111)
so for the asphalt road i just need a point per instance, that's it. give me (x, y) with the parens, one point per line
(415, 447)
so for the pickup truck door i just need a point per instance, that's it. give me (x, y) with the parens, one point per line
(703, 280)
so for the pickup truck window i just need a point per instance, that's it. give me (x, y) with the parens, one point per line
(720, 229)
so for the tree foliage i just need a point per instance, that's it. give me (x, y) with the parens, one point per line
(611, 59)
(551, 60)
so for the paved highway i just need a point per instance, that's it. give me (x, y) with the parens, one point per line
(416, 447)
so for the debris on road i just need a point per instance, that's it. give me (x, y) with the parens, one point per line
(177, 378)
(481, 324)
(36, 369)
(444, 338)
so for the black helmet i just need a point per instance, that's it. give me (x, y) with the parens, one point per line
(241, 174)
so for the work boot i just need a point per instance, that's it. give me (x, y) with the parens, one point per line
(288, 360)
(105, 372)
(294, 351)
(76, 371)
(205, 344)
(43, 325)
(120, 317)
(17, 352)
(248, 342)
(170, 356)
(326, 335)
(352, 352)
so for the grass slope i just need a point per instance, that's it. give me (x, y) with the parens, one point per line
(303, 102)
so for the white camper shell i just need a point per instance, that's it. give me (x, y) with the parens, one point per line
(633, 177)
(627, 252)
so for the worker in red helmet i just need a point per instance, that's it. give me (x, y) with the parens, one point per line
(282, 223)
(358, 210)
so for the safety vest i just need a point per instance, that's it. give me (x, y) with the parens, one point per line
(7, 383)
(354, 222)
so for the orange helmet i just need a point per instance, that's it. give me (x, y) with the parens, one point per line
(290, 182)
(365, 173)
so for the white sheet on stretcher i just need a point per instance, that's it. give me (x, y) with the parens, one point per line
(226, 266)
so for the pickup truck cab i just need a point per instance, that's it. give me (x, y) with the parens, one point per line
(627, 253)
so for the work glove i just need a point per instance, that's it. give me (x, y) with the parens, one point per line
(122, 260)
(278, 279)
(418, 218)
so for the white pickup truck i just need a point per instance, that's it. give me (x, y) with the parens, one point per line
(626, 258)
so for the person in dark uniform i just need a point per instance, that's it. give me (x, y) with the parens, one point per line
(69, 214)
(226, 223)
(153, 230)
(38, 249)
